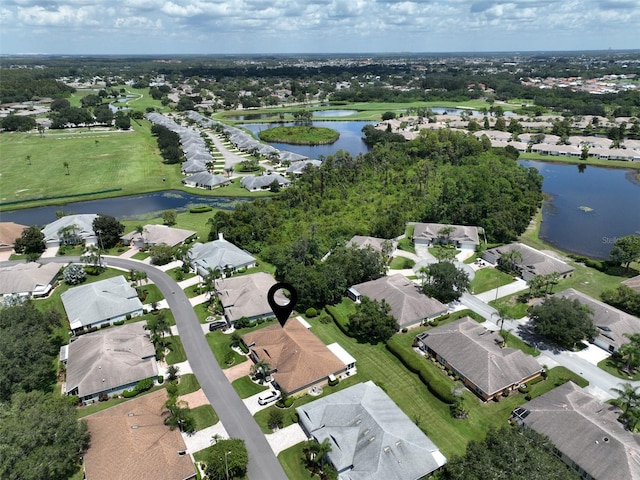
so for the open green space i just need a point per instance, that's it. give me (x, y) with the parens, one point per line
(300, 135)
(245, 387)
(510, 306)
(614, 367)
(487, 279)
(188, 384)
(176, 351)
(512, 341)
(205, 416)
(401, 263)
(291, 460)
(150, 293)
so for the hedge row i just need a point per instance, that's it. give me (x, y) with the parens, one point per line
(333, 312)
(437, 384)
(200, 209)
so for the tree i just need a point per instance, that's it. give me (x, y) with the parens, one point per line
(31, 242)
(444, 281)
(27, 350)
(626, 250)
(372, 322)
(563, 320)
(123, 121)
(108, 229)
(624, 298)
(509, 260)
(172, 373)
(510, 452)
(169, 217)
(227, 460)
(40, 437)
(74, 274)
(179, 416)
(66, 167)
(92, 255)
(161, 254)
(276, 419)
(628, 399)
(629, 352)
(158, 327)
(260, 370)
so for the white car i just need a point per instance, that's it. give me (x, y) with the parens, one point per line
(268, 397)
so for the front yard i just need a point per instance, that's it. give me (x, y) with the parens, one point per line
(487, 279)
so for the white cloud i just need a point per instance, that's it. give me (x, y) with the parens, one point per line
(60, 16)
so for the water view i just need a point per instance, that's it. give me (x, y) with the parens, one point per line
(585, 211)
(122, 208)
(350, 138)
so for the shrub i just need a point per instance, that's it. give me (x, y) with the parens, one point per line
(229, 358)
(260, 321)
(160, 379)
(118, 323)
(74, 274)
(311, 312)
(129, 393)
(405, 330)
(243, 347)
(334, 382)
(103, 397)
(105, 325)
(200, 209)
(294, 417)
(128, 316)
(524, 388)
(143, 385)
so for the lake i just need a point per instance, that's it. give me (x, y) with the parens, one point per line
(584, 212)
(350, 138)
(122, 208)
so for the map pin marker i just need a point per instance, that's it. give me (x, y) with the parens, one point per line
(282, 312)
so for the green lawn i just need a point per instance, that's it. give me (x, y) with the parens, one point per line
(510, 307)
(150, 292)
(176, 354)
(514, 342)
(487, 279)
(220, 345)
(401, 263)
(178, 275)
(245, 387)
(613, 367)
(406, 243)
(291, 460)
(205, 416)
(188, 384)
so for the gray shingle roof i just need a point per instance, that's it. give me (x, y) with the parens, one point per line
(157, 234)
(263, 181)
(370, 434)
(360, 241)
(245, 296)
(587, 431)
(476, 354)
(27, 277)
(206, 179)
(461, 233)
(84, 223)
(610, 322)
(98, 301)
(408, 305)
(110, 358)
(533, 261)
(218, 254)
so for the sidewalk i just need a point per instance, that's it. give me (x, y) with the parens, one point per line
(514, 287)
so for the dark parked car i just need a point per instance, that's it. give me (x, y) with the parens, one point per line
(217, 325)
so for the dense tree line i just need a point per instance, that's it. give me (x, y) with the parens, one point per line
(168, 143)
(511, 452)
(28, 349)
(24, 85)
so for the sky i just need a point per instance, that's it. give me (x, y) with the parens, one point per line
(165, 27)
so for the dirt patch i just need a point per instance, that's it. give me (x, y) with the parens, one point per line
(195, 399)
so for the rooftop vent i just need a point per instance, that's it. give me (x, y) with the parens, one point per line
(605, 439)
(134, 427)
(387, 449)
(131, 414)
(372, 439)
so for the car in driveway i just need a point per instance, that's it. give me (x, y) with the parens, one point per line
(217, 325)
(268, 397)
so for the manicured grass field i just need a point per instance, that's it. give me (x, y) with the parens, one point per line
(245, 387)
(611, 366)
(487, 279)
(176, 354)
(401, 263)
(512, 341)
(188, 384)
(205, 416)
(510, 307)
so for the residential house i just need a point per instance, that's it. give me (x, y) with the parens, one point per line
(585, 431)
(263, 182)
(476, 355)
(409, 306)
(370, 437)
(246, 296)
(206, 180)
(108, 361)
(429, 234)
(610, 322)
(130, 440)
(28, 279)
(219, 255)
(82, 226)
(529, 262)
(158, 234)
(299, 167)
(298, 360)
(378, 244)
(98, 303)
(9, 232)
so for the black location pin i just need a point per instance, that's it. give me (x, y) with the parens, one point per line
(282, 312)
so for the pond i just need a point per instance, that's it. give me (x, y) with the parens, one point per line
(334, 113)
(122, 208)
(587, 209)
(350, 138)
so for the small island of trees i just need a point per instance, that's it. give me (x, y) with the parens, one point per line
(300, 135)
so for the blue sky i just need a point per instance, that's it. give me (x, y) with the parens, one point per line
(314, 26)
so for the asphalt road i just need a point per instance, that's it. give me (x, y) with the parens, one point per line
(232, 412)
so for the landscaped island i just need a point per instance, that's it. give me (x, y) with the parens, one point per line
(300, 135)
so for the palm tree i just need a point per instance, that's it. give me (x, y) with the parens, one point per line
(172, 373)
(628, 397)
(140, 231)
(509, 260)
(260, 369)
(630, 352)
(66, 167)
(91, 254)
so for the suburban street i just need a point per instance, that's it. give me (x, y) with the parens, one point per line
(233, 414)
